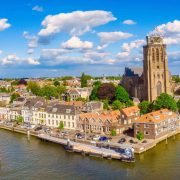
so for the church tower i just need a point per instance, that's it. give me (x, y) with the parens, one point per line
(156, 73)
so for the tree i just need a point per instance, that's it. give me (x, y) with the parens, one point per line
(34, 88)
(165, 101)
(139, 136)
(113, 132)
(22, 81)
(96, 86)
(61, 125)
(84, 79)
(14, 97)
(106, 104)
(129, 103)
(178, 105)
(144, 107)
(56, 83)
(19, 119)
(106, 92)
(81, 99)
(121, 94)
(117, 105)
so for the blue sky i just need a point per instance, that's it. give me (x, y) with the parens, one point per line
(67, 37)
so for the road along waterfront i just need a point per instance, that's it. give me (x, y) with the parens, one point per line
(36, 159)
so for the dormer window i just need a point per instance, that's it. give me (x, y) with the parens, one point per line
(68, 111)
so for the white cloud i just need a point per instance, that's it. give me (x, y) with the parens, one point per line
(75, 23)
(75, 43)
(1, 52)
(111, 37)
(37, 8)
(170, 32)
(14, 59)
(4, 24)
(32, 41)
(132, 45)
(129, 22)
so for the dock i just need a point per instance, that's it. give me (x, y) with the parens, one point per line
(86, 149)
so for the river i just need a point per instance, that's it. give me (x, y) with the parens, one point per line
(35, 160)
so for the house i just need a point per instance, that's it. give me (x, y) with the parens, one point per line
(5, 98)
(97, 122)
(129, 115)
(53, 114)
(157, 124)
(27, 108)
(74, 93)
(93, 106)
(4, 111)
(14, 113)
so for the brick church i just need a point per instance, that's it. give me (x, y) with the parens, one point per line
(154, 78)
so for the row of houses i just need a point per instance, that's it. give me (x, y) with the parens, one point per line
(90, 117)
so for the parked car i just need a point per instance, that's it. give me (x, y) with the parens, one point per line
(96, 137)
(103, 138)
(38, 128)
(122, 140)
(79, 136)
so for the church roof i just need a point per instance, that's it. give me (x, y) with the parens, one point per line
(138, 71)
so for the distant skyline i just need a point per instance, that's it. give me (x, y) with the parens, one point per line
(50, 38)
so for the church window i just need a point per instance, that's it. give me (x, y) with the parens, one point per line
(159, 88)
(153, 55)
(157, 67)
(157, 54)
(158, 76)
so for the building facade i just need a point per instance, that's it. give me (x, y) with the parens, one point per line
(149, 82)
(156, 73)
(157, 124)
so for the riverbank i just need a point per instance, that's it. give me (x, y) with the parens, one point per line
(138, 148)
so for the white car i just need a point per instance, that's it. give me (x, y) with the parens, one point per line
(96, 137)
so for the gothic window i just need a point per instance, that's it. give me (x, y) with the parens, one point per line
(158, 76)
(159, 88)
(162, 55)
(153, 55)
(157, 54)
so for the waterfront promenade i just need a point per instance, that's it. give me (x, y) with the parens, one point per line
(138, 148)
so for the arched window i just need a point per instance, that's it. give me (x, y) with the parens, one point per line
(162, 55)
(159, 88)
(153, 55)
(157, 54)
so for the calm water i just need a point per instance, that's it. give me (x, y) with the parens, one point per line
(21, 159)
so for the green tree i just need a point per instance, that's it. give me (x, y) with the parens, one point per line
(117, 105)
(178, 105)
(93, 95)
(106, 104)
(129, 103)
(84, 79)
(121, 94)
(61, 125)
(14, 97)
(144, 107)
(81, 99)
(19, 119)
(113, 132)
(34, 88)
(56, 83)
(165, 101)
(139, 136)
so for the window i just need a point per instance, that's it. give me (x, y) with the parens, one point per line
(146, 133)
(146, 125)
(137, 126)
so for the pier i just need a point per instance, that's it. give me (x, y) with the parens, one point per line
(86, 149)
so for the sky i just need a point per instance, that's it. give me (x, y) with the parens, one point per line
(50, 38)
